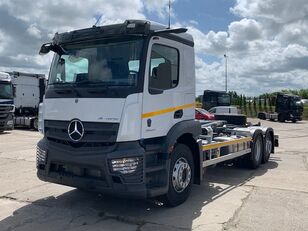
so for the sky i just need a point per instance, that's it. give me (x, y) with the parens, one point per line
(266, 41)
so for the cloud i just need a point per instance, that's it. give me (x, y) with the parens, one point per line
(160, 7)
(34, 31)
(266, 46)
(25, 25)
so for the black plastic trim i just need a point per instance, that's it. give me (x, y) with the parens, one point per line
(192, 127)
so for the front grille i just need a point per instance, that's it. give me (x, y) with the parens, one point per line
(5, 111)
(95, 134)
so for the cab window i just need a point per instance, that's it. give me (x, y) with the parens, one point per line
(164, 68)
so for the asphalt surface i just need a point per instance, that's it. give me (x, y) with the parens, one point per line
(274, 197)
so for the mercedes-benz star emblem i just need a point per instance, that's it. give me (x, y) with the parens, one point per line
(75, 130)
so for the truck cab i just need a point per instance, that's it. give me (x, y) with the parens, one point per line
(213, 99)
(289, 107)
(118, 115)
(117, 97)
(6, 103)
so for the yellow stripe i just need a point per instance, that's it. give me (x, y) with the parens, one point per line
(166, 110)
(226, 143)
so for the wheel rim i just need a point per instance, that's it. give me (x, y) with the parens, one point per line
(181, 175)
(268, 144)
(258, 149)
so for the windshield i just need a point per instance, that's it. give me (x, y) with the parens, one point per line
(6, 91)
(224, 99)
(110, 63)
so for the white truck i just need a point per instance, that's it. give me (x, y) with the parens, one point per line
(6, 103)
(28, 91)
(118, 115)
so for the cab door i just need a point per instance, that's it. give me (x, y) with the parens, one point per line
(163, 98)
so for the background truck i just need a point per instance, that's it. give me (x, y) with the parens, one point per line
(288, 107)
(6, 103)
(118, 115)
(212, 99)
(29, 90)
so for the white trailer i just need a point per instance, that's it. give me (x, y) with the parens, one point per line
(118, 115)
(29, 90)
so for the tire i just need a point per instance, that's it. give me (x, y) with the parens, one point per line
(35, 124)
(268, 146)
(254, 159)
(180, 180)
(281, 118)
(261, 116)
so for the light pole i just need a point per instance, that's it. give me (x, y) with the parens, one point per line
(226, 72)
(169, 21)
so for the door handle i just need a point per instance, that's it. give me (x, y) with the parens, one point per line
(178, 114)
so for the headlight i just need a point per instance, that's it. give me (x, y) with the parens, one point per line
(41, 156)
(125, 165)
(12, 109)
(41, 119)
(10, 123)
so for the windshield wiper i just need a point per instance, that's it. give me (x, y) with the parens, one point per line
(66, 91)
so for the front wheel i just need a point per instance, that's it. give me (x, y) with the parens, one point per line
(181, 176)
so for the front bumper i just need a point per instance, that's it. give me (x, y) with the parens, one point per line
(90, 169)
(7, 123)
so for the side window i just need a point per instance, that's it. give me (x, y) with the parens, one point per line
(72, 69)
(163, 68)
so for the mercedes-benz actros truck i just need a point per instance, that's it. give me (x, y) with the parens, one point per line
(118, 115)
(6, 103)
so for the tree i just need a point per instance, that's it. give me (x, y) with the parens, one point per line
(265, 104)
(260, 103)
(241, 101)
(249, 107)
(245, 104)
(255, 105)
(199, 98)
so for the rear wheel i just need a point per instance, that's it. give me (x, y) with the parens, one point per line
(181, 176)
(281, 118)
(261, 116)
(268, 146)
(254, 159)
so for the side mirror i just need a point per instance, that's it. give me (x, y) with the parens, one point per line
(45, 48)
